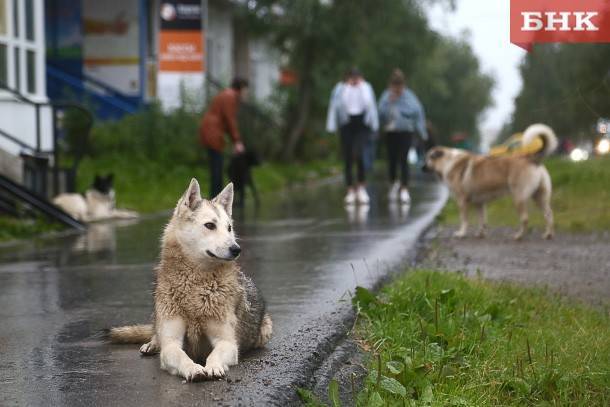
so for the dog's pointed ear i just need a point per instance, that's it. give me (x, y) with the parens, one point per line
(225, 199)
(436, 153)
(192, 196)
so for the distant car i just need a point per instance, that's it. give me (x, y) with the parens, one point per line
(514, 146)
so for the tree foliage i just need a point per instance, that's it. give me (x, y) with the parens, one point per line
(321, 39)
(566, 86)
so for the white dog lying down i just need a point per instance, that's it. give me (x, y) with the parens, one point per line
(97, 204)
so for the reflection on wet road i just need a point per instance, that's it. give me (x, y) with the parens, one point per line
(303, 249)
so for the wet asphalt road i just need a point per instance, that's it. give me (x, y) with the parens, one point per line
(303, 249)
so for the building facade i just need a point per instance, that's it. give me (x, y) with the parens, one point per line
(22, 72)
(116, 56)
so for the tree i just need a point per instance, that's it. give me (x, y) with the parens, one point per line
(565, 86)
(322, 39)
(453, 89)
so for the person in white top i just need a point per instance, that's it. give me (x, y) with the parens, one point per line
(353, 111)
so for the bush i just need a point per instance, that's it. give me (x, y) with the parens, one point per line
(150, 134)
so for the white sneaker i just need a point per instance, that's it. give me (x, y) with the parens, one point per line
(393, 193)
(362, 196)
(350, 198)
(405, 198)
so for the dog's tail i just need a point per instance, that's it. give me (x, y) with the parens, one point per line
(131, 334)
(546, 134)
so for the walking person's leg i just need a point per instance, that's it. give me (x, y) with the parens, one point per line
(360, 133)
(369, 150)
(392, 155)
(216, 168)
(347, 150)
(404, 144)
(392, 142)
(361, 170)
(359, 152)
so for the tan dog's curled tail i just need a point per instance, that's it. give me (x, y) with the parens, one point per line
(131, 334)
(546, 133)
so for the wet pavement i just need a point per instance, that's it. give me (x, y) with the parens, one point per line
(303, 249)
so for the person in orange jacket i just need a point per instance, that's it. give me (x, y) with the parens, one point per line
(221, 119)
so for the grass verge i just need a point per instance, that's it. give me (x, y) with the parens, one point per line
(581, 195)
(443, 339)
(12, 228)
(149, 186)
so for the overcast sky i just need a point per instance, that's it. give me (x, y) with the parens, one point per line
(487, 22)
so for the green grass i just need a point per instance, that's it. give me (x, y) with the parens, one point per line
(443, 339)
(149, 186)
(581, 198)
(11, 228)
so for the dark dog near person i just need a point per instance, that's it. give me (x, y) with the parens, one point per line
(240, 174)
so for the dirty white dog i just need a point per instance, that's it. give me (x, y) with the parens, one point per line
(475, 180)
(97, 204)
(206, 309)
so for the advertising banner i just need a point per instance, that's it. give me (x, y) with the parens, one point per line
(111, 44)
(181, 50)
(181, 38)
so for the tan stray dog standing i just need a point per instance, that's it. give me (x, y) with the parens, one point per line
(475, 180)
(205, 307)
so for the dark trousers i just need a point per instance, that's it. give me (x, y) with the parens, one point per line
(216, 169)
(398, 143)
(353, 136)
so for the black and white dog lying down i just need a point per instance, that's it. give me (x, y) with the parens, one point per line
(98, 202)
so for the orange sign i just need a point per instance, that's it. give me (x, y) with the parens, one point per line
(288, 77)
(181, 50)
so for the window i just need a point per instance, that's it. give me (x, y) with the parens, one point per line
(21, 49)
(29, 20)
(17, 68)
(3, 65)
(31, 71)
(16, 18)
(3, 22)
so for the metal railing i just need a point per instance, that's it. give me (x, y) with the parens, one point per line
(98, 91)
(55, 107)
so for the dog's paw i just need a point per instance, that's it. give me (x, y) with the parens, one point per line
(149, 348)
(195, 373)
(215, 371)
(518, 236)
(459, 234)
(548, 235)
(481, 234)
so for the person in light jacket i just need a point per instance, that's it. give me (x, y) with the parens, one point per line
(352, 111)
(401, 116)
